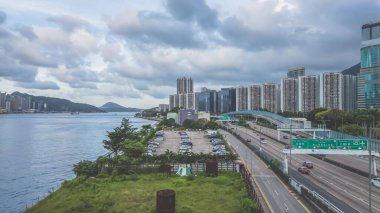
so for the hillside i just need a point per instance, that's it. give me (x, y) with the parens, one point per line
(113, 107)
(61, 105)
(354, 70)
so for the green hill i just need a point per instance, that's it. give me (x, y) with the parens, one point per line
(113, 107)
(61, 105)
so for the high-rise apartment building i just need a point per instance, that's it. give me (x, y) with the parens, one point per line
(330, 90)
(289, 95)
(349, 97)
(184, 85)
(308, 93)
(185, 97)
(369, 76)
(226, 100)
(173, 101)
(163, 107)
(254, 97)
(269, 97)
(241, 98)
(296, 72)
(3, 97)
(337, 91)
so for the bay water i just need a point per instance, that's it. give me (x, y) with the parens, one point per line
(38, 151)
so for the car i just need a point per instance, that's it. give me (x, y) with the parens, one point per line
(378, 169)
(288, 146)
(285, 137)
(375, 182)
(263, 141)
(308, 164)
(248, 140)
(304, 170)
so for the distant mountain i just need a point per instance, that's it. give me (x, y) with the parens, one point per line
(60, 105)
(354, 70)
(113, 107)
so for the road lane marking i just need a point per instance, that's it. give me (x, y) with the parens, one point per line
(276, 192)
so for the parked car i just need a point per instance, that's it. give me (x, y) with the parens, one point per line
(285, 137)
(288, 146)
(304, 170)
(378, 169)
(375, 182)
(248, 140)
(263, 141)
(308, 164)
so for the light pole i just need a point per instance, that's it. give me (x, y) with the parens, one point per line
(291, 136)
(370, 167)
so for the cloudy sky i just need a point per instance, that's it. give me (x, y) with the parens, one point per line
(131, 52)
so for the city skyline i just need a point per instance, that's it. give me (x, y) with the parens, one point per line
(131, 53)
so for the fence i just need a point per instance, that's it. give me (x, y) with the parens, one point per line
(250, 189)
(195, 167)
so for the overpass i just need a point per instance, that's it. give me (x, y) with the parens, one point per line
(269, 116)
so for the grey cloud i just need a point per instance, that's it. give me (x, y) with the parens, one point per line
(10, 69)
(5, 33)
(42, 85)
(157, 29)
(3, 17)
(142, 86)
(27, 32)
(68, 23)
(193, 10)
(86, 85)
(239, 34)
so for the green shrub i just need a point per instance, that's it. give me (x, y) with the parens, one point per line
(133, 177)
(102, 175)
(86, 167)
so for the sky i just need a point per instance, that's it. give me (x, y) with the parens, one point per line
(131, 52)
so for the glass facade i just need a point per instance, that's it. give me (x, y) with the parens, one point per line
(369, 76)
(366, 34)
(369, 89)
(370, 57)
(207, 101)
(226, 100)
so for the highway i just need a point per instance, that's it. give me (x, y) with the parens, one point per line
(348, 187)
(275, 192)
(359, 163)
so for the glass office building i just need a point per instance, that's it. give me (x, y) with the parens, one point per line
(369, 76)
(226, 100)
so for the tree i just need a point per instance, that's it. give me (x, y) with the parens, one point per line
(311, 115)
(211, 125)
(117, 137)
(86, 167)
(133, 149)
(188, 123)
(352, 129)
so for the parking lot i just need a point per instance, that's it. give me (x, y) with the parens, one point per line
(172, 142)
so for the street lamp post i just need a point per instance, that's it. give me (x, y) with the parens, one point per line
(370, 167)
(291, 136)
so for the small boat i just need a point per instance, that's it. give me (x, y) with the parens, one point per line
(74, 113)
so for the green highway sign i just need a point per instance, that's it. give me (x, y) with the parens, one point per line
(336, 144)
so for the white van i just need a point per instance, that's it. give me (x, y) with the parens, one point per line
(376, 182)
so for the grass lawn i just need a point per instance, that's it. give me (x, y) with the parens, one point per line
(137, 193)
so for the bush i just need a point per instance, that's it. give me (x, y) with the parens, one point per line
(102, 175)
(134, 177)
(86, 168)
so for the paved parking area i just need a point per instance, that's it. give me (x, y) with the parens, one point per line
(172, 142)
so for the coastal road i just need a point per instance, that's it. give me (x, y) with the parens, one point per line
(343, 185)
(274, 191)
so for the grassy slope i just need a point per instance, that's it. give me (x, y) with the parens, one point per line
(225, 193)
